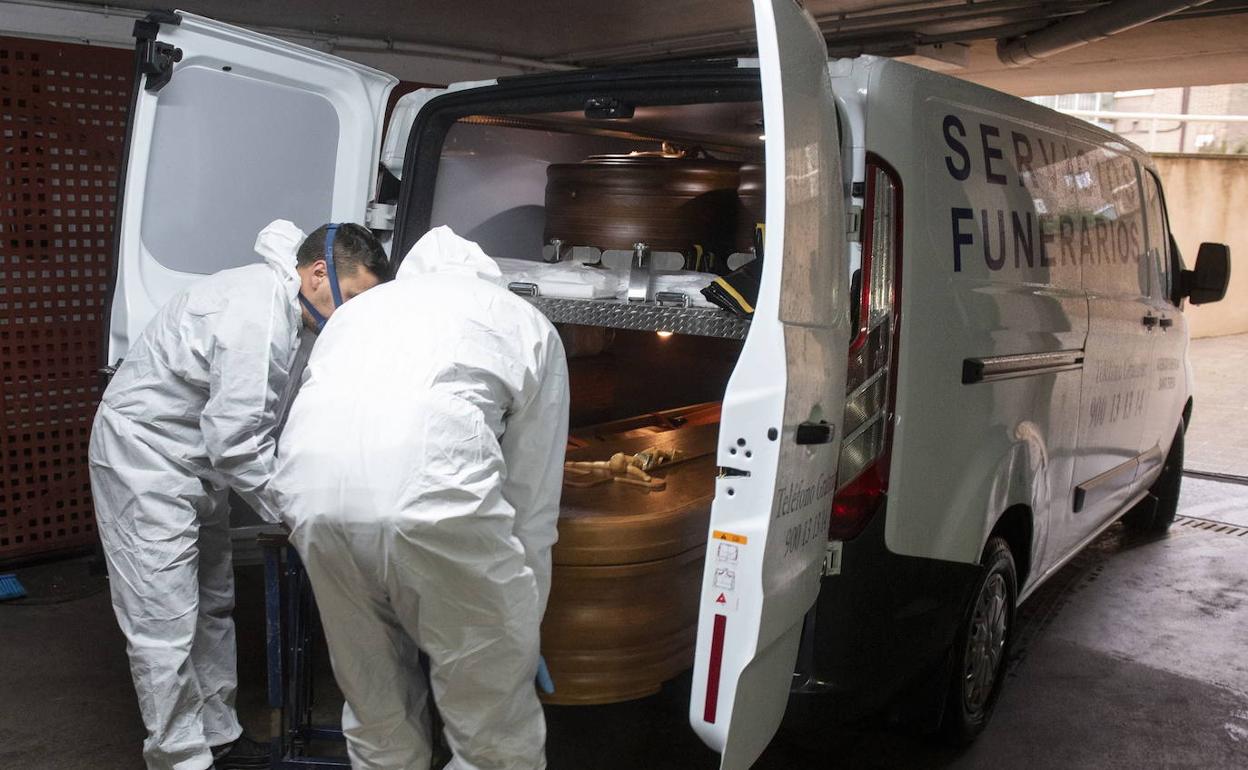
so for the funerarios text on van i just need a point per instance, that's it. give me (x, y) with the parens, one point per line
(1081, 206)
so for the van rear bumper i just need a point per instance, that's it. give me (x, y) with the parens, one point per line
(880, 636)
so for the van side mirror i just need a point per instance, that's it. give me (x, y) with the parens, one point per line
(1208, 282)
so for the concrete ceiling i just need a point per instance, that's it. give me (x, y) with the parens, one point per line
(1199, 46)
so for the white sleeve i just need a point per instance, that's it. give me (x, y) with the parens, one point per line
(533, 446)
(239, 418)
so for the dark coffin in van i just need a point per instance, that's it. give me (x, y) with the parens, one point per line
(623, 610)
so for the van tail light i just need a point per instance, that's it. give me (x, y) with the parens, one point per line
(871, 384)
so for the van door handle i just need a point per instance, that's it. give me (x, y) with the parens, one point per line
(1166, 323)
(1150, 321)
(814, 433)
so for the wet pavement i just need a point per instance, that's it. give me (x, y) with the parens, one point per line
(1132, 656)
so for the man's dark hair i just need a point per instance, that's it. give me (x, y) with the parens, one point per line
(354, 248)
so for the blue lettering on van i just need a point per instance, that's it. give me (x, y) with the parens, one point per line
(991, 153)
(1049, 153)
(1040, 240)
(1022, 157)
(1077, 194)
(1085, 242)
(1066, 234)
(960, 174)
(998, 262)
(1023, 243)
(960, 238)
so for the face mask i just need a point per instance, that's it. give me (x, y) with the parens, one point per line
(319, 319)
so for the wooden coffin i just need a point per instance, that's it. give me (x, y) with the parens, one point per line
(669, 203)
(623, 610)
(752, 201)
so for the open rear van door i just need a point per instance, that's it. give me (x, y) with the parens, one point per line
(780, 431)
(229, 130)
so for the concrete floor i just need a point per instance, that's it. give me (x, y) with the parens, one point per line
(1217, 439)
(1133, 656)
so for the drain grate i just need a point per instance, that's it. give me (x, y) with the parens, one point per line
(1209, 525)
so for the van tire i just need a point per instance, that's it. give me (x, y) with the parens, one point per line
(1155, 513)
(983, 639)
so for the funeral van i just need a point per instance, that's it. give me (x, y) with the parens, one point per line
(885, 348)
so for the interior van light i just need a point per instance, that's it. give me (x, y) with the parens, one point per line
(607, 108)
(665, 335)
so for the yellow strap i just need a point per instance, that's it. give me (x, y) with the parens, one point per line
(736, 295)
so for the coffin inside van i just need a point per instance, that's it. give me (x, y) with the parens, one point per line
(614, 228)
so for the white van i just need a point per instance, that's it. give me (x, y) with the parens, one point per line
(966, 357)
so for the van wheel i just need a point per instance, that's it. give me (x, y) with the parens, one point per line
(981, 646)
(1155, 513)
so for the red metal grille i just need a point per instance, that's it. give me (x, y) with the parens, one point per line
(62, 127)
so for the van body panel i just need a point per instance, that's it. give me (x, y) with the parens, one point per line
(404, 115)
(770, 515)
(968, 297)
(1120, 346)
(980, 288)
(248, 129)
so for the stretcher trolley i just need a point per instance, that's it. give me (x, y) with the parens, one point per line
(292, 630)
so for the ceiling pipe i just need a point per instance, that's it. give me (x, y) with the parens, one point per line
(344, 44)
(1087, 28)
(893, 19)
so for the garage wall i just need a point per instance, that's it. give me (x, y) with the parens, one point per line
(62, 126)
(1205, 196)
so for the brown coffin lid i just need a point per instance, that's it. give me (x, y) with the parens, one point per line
(623, 524)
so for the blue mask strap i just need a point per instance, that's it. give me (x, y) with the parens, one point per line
(330, 232)
(312, 311)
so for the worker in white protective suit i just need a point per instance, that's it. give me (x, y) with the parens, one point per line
(421, 470)
(188, 416)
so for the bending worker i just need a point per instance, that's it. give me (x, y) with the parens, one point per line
(421, 469)
(189, 415)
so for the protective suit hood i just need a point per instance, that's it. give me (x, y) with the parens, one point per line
(441, 251)
(279, 244)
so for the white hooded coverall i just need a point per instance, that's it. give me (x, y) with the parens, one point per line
(420, 471)
(188, 415)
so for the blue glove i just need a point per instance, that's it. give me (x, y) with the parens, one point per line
(544, 682)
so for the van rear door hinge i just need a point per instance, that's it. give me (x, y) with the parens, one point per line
(156, 59)
(853, 224)
(380, 216)
(832, 558)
